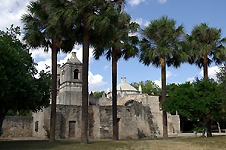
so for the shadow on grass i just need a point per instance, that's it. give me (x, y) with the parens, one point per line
(59, 145)
(34, 144)
(218, 142)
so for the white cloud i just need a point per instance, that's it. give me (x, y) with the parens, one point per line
(106, 67)
(158, 82)
(40, 53)
(191, 79)
(147, 23)
(161, 1)
(95, 82)
(42, 65)
(135, 2)
(11, 12)
(141, 22)
(168, 74)
(211, 72)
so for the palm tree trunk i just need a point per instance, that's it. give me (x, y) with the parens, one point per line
(54, 91)
(205, 65)
(208, 123)
(114, 94)
(164, 115)
(205, 72)
(85, 66)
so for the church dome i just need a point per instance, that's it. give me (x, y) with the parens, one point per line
(124, 86)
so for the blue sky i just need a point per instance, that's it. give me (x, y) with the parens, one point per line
(186, 12)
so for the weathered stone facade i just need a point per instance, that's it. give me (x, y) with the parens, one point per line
(17, 126)
(139, 114)
(134, 120)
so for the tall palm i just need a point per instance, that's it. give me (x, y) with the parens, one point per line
(117, 44)
(206, 43)
(160, 47)
(206, 46)
(44, 29)
(85, 15)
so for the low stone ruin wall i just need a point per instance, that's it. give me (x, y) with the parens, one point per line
(17, 126)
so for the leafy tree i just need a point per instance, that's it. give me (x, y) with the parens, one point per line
(45, 28)
(117, 44)
(148, 87)
(20, 90)
(206, 46)
(170, 88)
(196, 101)
(221, 78)
(160, 47)
(98, 94)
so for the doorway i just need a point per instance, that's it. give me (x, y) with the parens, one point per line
(72, 129)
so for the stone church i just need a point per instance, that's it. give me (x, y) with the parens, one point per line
(139, 114)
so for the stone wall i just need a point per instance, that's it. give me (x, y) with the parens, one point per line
(134, 121)
(17, 126)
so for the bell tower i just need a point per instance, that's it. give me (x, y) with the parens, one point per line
(70, 82)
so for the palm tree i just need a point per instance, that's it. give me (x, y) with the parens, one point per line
(117, 44)
(206, 43)
(44, 29)
(205, 47)
(86, 16)
(160, 47)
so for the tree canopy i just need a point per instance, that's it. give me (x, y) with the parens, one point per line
(148, 87)
(205, 46)
(98, 94)
(221, 78)
(20, 90)
(196, 101)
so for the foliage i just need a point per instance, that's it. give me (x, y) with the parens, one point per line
(43, 24)
(161, 40)
(98, 94)
(91, 21)
(205, 46)
(19, 113)
(148, 87)
(115, 43)
(195, 100)
(221, 78)
(118, 38)
(170, 88)
(45, 27)
(161, 46)
(20, 90)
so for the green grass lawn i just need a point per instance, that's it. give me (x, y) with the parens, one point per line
(199, 143)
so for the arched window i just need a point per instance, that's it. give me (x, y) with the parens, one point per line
(76, 74)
